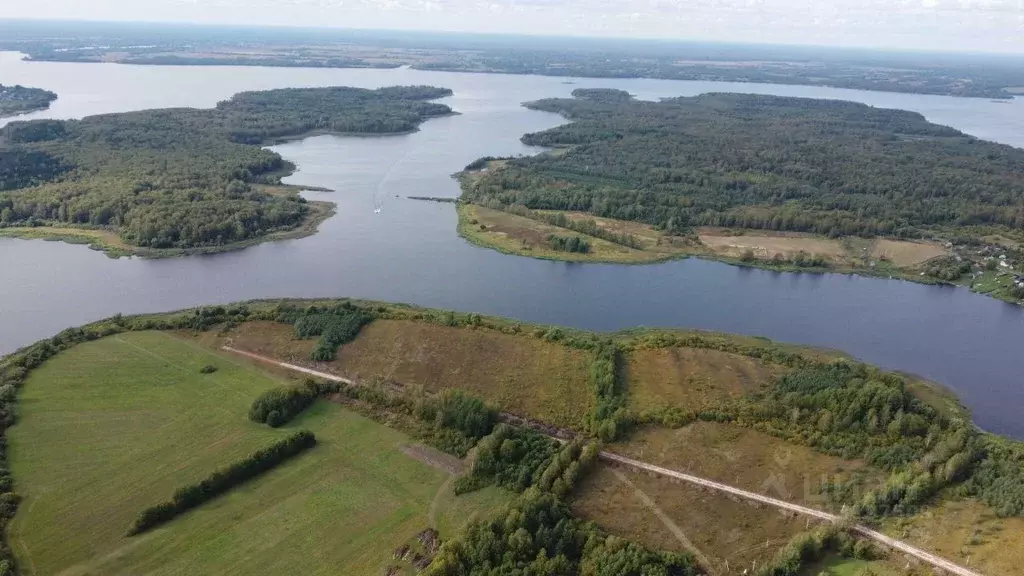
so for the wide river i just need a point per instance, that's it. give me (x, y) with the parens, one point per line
(411, 253)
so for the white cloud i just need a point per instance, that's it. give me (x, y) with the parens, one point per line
(982, 25)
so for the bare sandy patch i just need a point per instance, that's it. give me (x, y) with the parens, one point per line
(904, 253)
(766, 246)
(434, 458)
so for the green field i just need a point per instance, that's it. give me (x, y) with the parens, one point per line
(839, 566)
(113, 426)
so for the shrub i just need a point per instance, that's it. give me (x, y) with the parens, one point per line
(278, 406)
(208, 369)
(335, 327)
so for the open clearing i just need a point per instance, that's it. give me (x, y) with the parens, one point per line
(766, 246)
(724, 531)
(113, 426)
(518, 374)
(743, 458)
(515, 234)
(903, 253)
(966, 532)
(691, 378)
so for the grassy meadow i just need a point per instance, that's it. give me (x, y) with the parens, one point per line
(110, 427)
(519, 374)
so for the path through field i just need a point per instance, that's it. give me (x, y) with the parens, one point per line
(886, 541)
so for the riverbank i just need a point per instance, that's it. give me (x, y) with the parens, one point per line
(539, 233)
(19, 100)
(526, 236)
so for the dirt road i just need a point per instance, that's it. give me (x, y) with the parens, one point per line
(886, 541)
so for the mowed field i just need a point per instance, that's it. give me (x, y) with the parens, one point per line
(516, 373)
(111, 427)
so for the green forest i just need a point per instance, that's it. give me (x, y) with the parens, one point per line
(184, 178)
(21, 99)
(764, 162)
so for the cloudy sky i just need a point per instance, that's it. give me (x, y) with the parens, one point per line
(957, 25)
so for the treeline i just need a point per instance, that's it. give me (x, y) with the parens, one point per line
(609, 418)
(856, 412)
(953, 79)
(537, 533)
(223, 480)
(801, 259)
(808, 547)
(267, 61)
(766, 162)
(451, 421)
(590, 227)
(186, 178)
(574, 244)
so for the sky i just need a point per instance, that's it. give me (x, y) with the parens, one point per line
(947, 25)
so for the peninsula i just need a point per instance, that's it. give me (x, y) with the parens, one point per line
(180, 181)
(653, 451)
(17, 100)
(786, 183)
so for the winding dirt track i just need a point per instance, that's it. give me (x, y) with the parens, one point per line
(886, 541)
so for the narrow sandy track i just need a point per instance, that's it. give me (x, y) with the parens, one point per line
(891, 543)
(667, 521)
(886, 541)
(295, 367)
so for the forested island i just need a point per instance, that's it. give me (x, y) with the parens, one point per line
(15, 100)
(165, 182)
(485, 446)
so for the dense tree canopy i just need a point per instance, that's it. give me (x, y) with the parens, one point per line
(768, 162)
(20, 99)
(183, 178)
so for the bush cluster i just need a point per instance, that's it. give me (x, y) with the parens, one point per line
(513, 458)
(808, 547)
(609, 418)
(537, 534)
(574, 244)
(223, 480)
(335, 326)
(278, 406)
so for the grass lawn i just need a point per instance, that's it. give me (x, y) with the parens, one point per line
(113, 426)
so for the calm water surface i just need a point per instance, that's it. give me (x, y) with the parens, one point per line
(410, 252)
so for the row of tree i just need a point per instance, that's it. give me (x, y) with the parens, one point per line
(223, 480)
